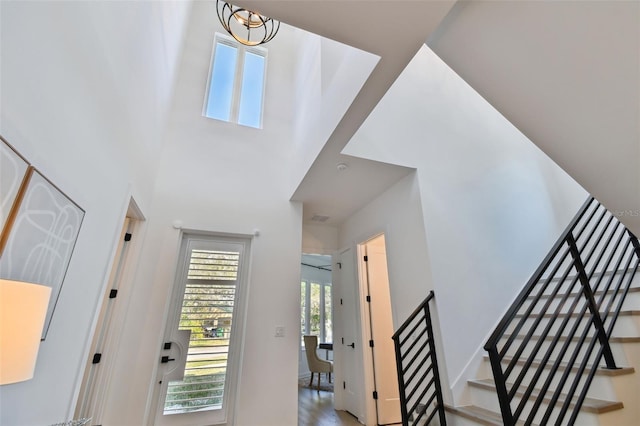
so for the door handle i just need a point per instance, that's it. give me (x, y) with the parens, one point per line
(353, 345)
(166, 359)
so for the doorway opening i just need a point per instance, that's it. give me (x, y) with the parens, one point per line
(106, 339)
(316, 311)
(380, 366)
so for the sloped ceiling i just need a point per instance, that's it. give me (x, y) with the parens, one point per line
(393, 30)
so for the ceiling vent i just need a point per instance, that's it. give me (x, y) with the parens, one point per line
(319, 218)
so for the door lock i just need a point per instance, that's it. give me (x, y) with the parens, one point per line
(166, 359)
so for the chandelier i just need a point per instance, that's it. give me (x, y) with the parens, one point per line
(248, 27)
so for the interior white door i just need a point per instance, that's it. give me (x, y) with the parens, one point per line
(384, 362)
(349, 340)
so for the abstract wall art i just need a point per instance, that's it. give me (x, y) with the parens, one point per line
(44, 227)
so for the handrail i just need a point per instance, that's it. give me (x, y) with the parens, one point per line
(563, 319)
(418, 375)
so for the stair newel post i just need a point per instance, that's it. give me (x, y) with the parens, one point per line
(591, 303)
(434, 363)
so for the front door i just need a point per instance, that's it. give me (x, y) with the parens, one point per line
(199, 358)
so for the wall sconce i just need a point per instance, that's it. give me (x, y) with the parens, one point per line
(23, 307)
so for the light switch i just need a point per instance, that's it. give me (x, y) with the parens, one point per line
(279, 331)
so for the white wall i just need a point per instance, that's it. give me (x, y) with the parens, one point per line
(81, 103)
(220, 177)
(328, 77)
(398, 213)
(493, 204)
(567, 74)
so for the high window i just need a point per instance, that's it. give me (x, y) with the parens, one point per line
(235, 91)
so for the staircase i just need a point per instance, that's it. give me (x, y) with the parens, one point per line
(565, 352)
(611, 400)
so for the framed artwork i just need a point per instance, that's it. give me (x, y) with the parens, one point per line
(13, 174)
(39, 245)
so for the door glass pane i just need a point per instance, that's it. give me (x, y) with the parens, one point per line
(207, 310)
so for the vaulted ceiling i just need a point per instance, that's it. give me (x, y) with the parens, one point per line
(565, 73)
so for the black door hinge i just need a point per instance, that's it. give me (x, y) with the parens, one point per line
(113, 293)
(368, 298)
(344, 385)
(375, 394)
(370, 343)
(343, 340)
(366, 258)
(96, 358)
(341, 301)
(127, 237)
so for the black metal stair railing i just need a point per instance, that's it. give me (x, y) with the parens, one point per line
(418, 374)
(547, 348)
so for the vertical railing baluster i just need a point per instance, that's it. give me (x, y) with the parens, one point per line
(420, 401)
(501, 387)
(591, 303)
(434, 363)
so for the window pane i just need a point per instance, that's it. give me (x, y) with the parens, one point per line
(222, 82)
(252, 90)
(314, 319)
(207, 310)
(303, 310)
(328, 324)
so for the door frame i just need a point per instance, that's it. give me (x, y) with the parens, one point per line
(370, 405)
(364, 355)
(370, 324)
(242, 297)
(94, 386)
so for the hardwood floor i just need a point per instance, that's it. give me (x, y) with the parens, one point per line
(315, 408)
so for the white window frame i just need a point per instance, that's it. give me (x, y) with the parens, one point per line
(237, 81)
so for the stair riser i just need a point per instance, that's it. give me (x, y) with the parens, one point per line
(635, 285)
(488, 399)
(617, 349)
(632, 302)
(603, 387)
(627, 325)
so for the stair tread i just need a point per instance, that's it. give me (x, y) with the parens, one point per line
(595, 275)
(593, 405)
(600, 371)
(626, 312)
(477, 414)
(614, 339)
